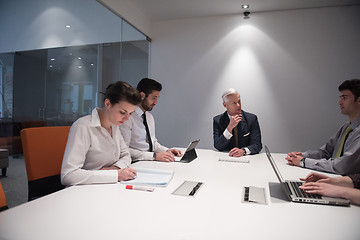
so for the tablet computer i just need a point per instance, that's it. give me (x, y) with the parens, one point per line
(190, 153)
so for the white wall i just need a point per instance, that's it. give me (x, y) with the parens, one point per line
(286, 65)
(128, 10)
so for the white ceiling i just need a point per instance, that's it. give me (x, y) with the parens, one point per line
(158, 10)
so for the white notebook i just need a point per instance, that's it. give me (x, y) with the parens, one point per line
(151, 177)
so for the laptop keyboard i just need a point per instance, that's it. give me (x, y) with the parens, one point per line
(301, 193)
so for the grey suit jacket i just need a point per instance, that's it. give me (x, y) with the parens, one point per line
(322, 159)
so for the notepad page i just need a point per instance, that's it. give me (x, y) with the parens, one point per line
(152, 177)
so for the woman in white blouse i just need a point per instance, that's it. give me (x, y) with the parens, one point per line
(95, 151)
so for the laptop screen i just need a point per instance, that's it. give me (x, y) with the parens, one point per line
(277, 172)
(192, 145)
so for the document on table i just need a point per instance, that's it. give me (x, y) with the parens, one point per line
(234, 159)
(151, 177)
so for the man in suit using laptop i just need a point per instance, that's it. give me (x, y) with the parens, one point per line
(341, 154)
(235, 130)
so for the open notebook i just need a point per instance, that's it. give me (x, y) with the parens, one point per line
(151, 177)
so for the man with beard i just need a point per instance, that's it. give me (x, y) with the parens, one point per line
(235, 130)
(139, 131)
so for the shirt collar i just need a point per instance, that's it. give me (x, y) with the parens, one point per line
(355, 124)
(228, 115)
(138, 111)
(242, 114)
(95, 119)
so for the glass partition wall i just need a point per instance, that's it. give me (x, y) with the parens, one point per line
(56, 86)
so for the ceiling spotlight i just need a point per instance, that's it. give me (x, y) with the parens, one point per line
(246, 15)
(79, 67)
(79, 58)
(245, 6)
(52, 59)
(67, 26)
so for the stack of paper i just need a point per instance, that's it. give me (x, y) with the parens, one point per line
(151, 177)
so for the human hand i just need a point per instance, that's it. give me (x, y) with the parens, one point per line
(165, 156)
(322, 178)
(314, 177)
(324, 189)
(234, 120)
(236, 152)
(176, 152)
(294, 158)
(294, 154)
(126, 174)
(344, 181)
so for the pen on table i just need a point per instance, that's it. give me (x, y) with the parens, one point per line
(141, 188)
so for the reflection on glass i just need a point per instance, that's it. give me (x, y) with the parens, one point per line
(72, 80)
(6, 89)
(56, 86)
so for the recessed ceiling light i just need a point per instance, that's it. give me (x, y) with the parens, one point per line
(51, 66)
(52, 59)
(92, 64)
(245, 6)
(79, 66)
(67, 26)
(79, 58)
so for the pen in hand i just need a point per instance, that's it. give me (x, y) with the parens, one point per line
(130, 170)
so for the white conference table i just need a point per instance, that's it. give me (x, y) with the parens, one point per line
(110, 211)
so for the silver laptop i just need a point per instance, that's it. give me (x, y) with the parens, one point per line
(296, 194)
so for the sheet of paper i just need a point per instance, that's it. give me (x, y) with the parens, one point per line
(234, 159)
(152, 177)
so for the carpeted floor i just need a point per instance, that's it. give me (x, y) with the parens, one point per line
(15, 182)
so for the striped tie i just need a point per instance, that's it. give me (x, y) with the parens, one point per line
(236, 137)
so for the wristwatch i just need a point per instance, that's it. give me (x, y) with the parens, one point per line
(245, 152)
(302, 163)
(154, 156)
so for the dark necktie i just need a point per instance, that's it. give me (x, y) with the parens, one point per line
(236, 136)
(148, 138)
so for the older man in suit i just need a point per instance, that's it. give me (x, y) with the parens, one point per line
(235, 130)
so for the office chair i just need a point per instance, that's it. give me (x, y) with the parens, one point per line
(3, 203)
(43, 153)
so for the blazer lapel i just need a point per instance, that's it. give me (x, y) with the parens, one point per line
(243, 124)
(225, 120)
